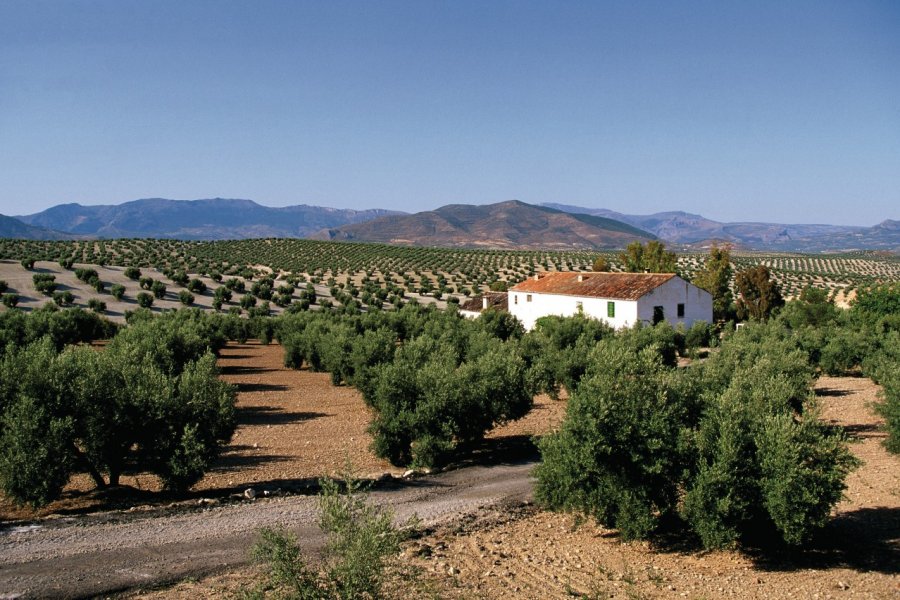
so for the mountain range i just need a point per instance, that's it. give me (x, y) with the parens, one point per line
(688, 229)
(210, 219)
(510, 224)
(14, 228)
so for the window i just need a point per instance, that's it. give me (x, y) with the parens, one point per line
(611, 310)
(528, 298)
(658, 314)
(680, 311)
(515, 298)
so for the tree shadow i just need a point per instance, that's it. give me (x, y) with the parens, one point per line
(231, 356)
(866, 539)
(826, 392)
(863, 540)
(243, 370)
(272, 415)
(261, 387)
(865, 430)
(511, 449)
(236, 458)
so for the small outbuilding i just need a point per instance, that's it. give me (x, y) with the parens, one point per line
(619, 299)
(474, 306)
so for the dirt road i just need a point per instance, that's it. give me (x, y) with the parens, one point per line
(97, 554)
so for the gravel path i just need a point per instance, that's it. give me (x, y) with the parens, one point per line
(88, 556)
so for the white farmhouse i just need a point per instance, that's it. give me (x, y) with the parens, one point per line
(619, 299)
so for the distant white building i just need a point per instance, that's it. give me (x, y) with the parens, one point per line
(619, 299)
(474, 306)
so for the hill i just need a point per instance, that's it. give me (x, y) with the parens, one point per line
(11, 227)
(210, 219)
(691, 230)
(511, 224)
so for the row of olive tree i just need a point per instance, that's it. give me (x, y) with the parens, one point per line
(150, 401)
(434, 380)
(733, 447)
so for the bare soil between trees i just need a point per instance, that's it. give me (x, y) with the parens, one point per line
(484, 538)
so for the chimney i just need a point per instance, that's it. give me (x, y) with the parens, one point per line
(580, 278)
(536, 276)
(484, 303)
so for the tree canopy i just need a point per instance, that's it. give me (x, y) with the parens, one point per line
(652, 258)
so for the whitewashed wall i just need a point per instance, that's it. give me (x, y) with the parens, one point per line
(542, 305)
(697, 305)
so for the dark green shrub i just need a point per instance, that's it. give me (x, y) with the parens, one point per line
(222, 294)
(159, 289)
(180, 277)
(144, 299)
(97, 305)
(235, 285)
(27, 263)
(103, 412)
(501, 324)
(86, 274)
(889, 408)
(699, 335)
(876, 301)
(845, 349)
(197, 286)
(118, 291)
(263, 310)
(45, 283)
(3, 286)
(133, 273)
(617, 455)
(813, 308)
(427, 402)
(262, 289)
(248, 301)
(145, 283)
(185, 297)
(35, 462)
(65, 298)
(804, 467)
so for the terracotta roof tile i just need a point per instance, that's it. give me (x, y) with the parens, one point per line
(618, 286)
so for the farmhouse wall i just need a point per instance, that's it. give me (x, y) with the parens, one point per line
(542, 305)
(697, 303)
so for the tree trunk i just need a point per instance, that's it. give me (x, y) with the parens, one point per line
(94, 473)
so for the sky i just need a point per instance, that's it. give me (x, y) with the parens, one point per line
(739, 111)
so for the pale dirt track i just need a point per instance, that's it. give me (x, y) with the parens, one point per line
(93, 555)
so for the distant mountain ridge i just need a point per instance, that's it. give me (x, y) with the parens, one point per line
(208, 219)
(10, 227)
(510, 224)
(688, 229)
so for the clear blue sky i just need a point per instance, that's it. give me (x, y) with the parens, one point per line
(780, 111)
